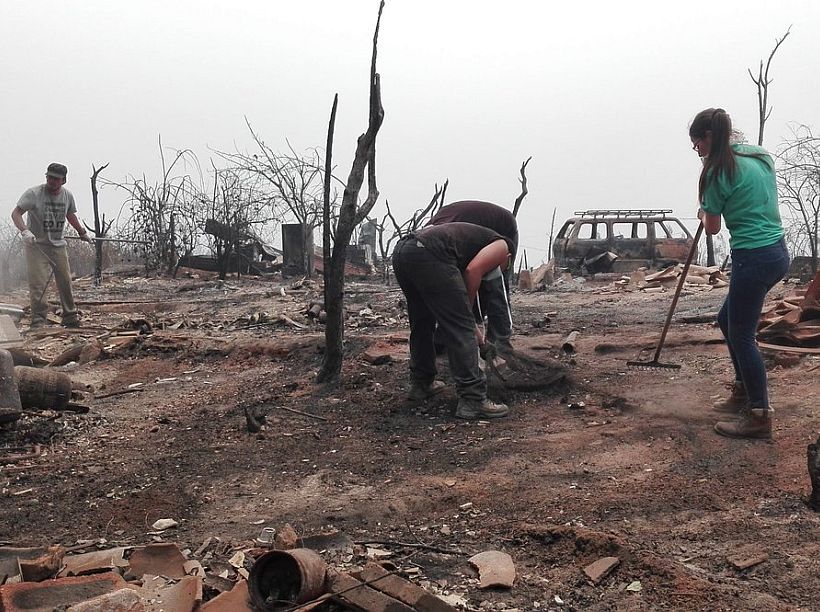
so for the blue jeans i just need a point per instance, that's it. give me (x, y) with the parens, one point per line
(754, 272)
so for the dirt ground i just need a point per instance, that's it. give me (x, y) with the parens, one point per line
(615, 462)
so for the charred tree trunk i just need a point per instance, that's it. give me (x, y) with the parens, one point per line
(172, 247)
(349, 217)
(308, 254)
(710, 250)
(333, 337)
(100, 228)
(224, 262)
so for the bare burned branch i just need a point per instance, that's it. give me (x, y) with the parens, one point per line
(762, 81)
(524, 190)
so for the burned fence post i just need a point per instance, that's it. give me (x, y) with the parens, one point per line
(295, 245)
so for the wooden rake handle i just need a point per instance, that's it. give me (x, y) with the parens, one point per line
(681, 280)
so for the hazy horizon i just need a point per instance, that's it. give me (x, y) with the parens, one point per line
(599, 94)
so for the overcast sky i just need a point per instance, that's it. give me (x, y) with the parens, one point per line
(599, 93)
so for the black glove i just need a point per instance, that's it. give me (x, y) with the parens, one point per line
(487, 351)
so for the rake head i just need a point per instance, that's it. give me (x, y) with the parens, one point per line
(653, 364)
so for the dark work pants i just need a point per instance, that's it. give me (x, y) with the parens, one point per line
(436, 293)
(754, 272)
(493, 303)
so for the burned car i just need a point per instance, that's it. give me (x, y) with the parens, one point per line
(620, 240)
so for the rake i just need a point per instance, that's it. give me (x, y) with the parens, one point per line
(654, 362)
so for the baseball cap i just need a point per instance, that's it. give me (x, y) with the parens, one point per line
(57, 170)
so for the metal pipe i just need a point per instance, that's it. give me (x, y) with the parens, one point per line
(110, 240)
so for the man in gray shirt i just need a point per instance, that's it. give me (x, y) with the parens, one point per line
(48, 207)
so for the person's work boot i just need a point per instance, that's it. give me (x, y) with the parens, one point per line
(419, 392)
(754, 423)
(72, 323)
(480, 409)
(735, 403)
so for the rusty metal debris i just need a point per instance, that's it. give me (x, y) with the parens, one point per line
(286, 577)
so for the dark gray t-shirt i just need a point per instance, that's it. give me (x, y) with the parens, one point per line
(457, 243)
(46, 213)
(480, 213)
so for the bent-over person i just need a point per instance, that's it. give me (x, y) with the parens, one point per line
(493, 294)
(439, 269)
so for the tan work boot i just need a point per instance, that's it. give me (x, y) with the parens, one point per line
(419, 392)
(735, 403)
(480, 409)
(754, 423)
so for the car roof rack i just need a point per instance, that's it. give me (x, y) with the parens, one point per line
(624, 212)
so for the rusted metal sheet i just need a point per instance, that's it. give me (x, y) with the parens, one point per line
(672, 249)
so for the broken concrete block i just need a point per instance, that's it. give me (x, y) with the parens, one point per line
(123, 600)
(601, 568)
(495, 569)
(360, 596)
(401, 589)
(50, 594)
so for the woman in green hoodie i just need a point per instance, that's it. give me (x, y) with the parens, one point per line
(739, 185)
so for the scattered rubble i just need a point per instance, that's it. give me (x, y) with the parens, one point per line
(699, 278)
(165, 374)
(160, 576)
(794, 321)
